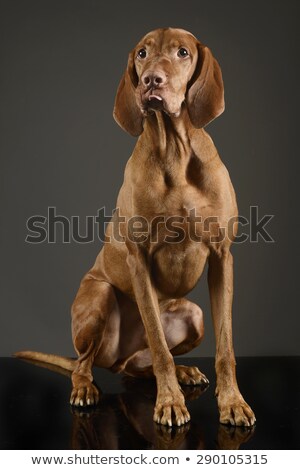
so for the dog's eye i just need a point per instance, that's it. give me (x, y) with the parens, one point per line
(182, 52)
(142, 53)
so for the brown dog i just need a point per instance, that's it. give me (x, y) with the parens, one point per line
(176, 209)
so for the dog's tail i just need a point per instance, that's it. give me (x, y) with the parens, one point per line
(51, 359)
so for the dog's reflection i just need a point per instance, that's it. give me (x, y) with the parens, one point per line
(231, 438)
(125, 421)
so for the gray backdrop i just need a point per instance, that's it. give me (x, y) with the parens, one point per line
(61, 62)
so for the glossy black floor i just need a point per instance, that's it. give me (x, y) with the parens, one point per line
(34, 410)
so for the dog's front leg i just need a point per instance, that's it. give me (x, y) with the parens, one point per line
(233, 408)
(170, 406)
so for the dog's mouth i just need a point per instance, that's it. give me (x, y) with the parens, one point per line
(153, 101)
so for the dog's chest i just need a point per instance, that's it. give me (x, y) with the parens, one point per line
(174, 190)
(181, 234)
(178, 198)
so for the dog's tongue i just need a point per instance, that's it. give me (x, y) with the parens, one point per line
(154, 97)
(155, 102)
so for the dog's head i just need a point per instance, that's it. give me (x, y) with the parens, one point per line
(167, 68)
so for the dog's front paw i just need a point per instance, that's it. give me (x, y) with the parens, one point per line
(170, 409)
(236, 412)
(85, 394)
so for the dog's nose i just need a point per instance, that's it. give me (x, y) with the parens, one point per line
(154, 79)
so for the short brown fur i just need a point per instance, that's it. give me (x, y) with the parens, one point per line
(130, 313)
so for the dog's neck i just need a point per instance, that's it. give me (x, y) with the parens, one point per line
(169, 134)
(173, 139)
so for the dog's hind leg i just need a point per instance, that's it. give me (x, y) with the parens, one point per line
(183, 326)
(94, 304)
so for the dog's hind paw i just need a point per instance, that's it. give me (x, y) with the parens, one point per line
(190, 376)
(87, 395)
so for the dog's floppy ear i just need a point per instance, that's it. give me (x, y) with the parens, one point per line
(126, 112)
(205, 95)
